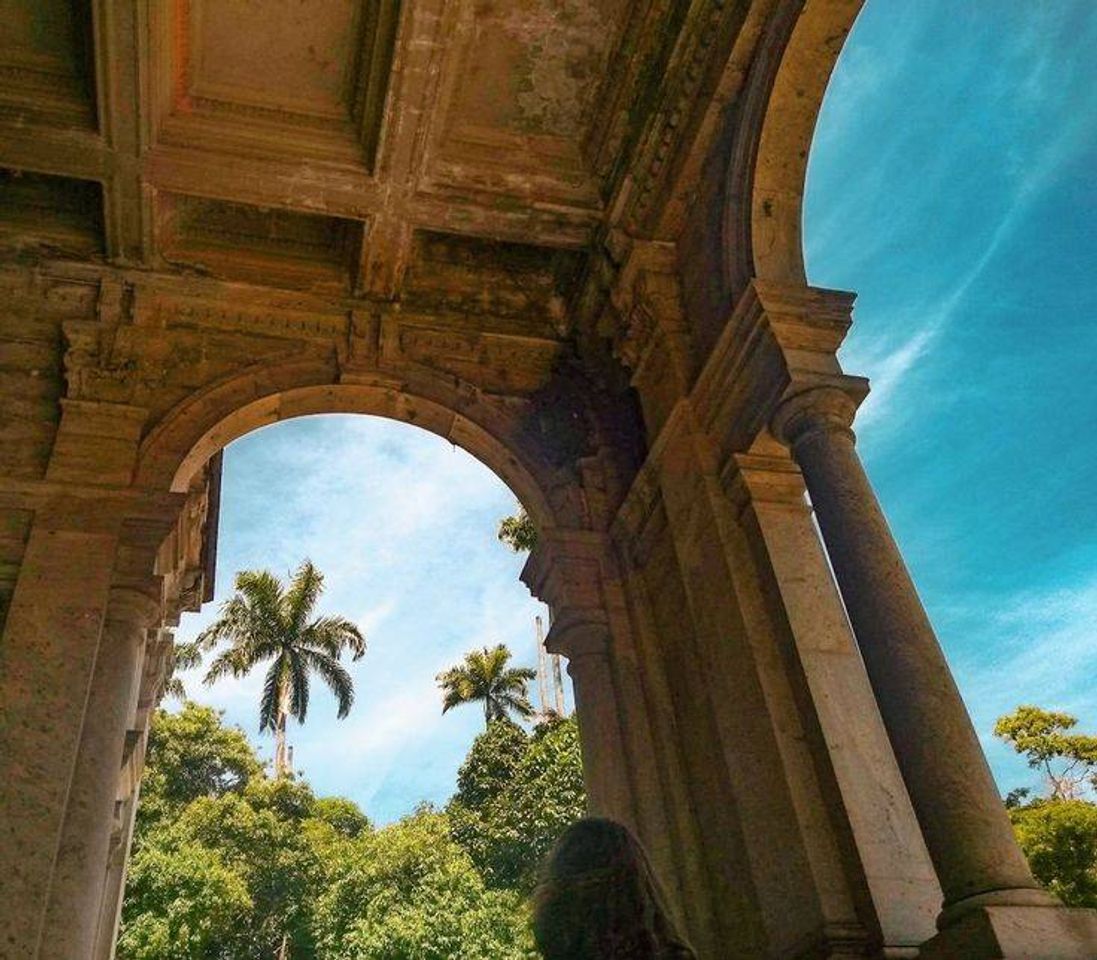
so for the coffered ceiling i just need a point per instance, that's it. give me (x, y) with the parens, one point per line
(333, 145)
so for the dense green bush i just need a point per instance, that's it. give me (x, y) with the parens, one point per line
(230, 864)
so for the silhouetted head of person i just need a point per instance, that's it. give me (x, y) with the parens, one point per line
(599, 900)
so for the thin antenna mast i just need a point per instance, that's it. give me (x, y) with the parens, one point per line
(542, 666)
(558, 684)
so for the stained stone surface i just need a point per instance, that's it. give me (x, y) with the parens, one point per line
(564, 234)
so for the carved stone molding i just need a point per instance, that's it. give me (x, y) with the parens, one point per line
(185, 556)
(780, 340)
(566, 569)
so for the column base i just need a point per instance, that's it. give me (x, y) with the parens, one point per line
(1016, 932)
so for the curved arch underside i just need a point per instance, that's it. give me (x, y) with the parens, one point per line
(784, 143)
(197, 430)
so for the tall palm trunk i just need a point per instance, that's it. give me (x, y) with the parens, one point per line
(281, 750)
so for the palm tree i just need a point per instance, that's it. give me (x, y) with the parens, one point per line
(485, 676)
(185, 656)
(266, 621)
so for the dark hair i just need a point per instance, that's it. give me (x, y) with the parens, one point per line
(598, 899)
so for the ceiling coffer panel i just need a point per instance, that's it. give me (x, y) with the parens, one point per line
(297, 79)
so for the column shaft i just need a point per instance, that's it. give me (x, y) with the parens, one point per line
(966, 828)
(604, 764)
(76, 893)
(47, 658)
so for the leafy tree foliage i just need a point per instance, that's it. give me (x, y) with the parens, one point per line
(1059, 837)
(484, 677)
(230, 864)
(191, 754)
(1068, 760)
(516, 794)
(410, 891)
(268, 621)
(182, 903)
(518, 532)
(1058, 833)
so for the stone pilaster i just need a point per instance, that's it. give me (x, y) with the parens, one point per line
(967, 832)
(776, 367)
(157, 656)
(564, 570)
(89, 532)
(858, 773)
(47, 658)
(81, 866)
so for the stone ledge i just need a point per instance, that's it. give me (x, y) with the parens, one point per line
(1017, 933)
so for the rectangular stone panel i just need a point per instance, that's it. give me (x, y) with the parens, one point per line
(285, 77)
(490, 276)
(46, 64)
(280, 248)
(47, 216)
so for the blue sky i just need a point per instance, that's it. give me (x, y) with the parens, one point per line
(402, 524)
(952, 186)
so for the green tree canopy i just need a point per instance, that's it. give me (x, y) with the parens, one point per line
(1059, 837)
(1058, 833)
(518, 532)
(183, 902)
(516, 794)
(242, 866)
(1068, 760)
(484, 677)
(192, 754)
(409, 891)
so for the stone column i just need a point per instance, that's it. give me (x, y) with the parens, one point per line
(47, 658)
(154, 667)
(966, 828)
(76, 893)
(586, 645)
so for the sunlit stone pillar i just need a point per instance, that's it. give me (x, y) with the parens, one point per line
(966, 828)
(155, 663)
(993, 908)
(861, 784)
(76, 893)
(47, 659)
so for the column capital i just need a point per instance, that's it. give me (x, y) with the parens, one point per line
(780, 340)
(752, 478)
(578, 635)
(132, 606)
(566, 568)
(820, 409)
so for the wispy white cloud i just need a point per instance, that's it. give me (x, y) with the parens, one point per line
(1035, 646)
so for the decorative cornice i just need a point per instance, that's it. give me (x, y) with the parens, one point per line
(752, 478)
(780, 340)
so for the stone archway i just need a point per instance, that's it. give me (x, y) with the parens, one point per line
(572, 244)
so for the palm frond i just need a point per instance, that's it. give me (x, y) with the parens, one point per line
(335, 675)
(298, 676)
(186, 656)
(515, 703)
(174, 687)
(332, 635)
(306, 585)
(233, 662)
(272, 695)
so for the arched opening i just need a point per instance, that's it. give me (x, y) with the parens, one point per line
(402, 524)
